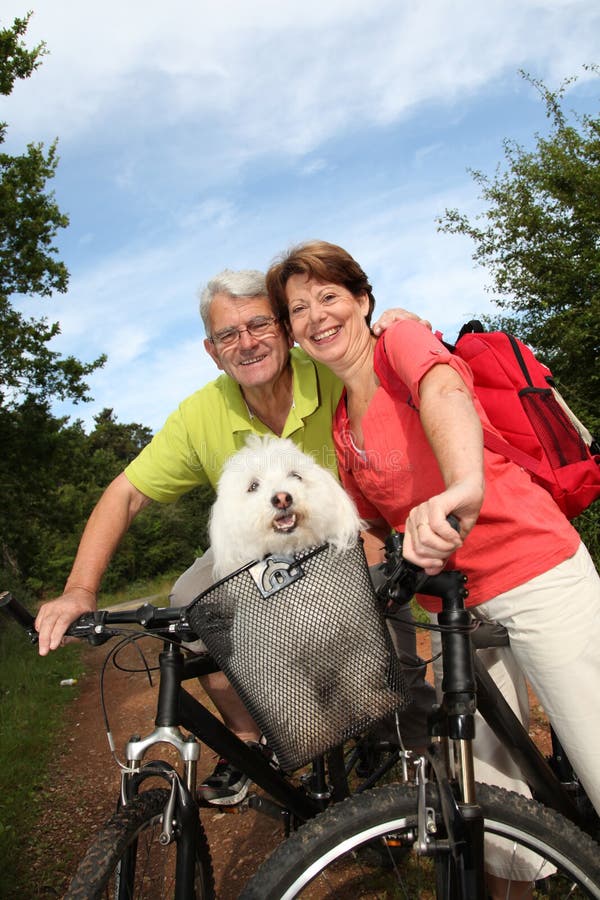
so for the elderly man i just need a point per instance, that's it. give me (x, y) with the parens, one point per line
(268, 387)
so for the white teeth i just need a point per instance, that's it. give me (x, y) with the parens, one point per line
(325, 334)
(248, 362)
(285, 523)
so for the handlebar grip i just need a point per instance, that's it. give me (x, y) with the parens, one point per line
(20, 614)
(453, 521)
(404, 579)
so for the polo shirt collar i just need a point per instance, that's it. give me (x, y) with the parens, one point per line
(305, 395)
(306, 391)
(239, 415)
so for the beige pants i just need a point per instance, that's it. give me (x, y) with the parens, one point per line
(553, 623)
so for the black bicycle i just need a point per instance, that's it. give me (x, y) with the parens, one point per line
(155, 846)
(429, 840)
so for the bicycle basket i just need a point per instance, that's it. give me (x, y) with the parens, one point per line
(305, 645)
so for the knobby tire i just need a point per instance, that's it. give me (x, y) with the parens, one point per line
(136, 828)
(363, 847)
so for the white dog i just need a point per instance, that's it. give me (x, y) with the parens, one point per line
(274, 499)
(308, 666)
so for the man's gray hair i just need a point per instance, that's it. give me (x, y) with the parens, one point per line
(241, 283)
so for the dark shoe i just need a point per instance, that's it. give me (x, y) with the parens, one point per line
(225, 787)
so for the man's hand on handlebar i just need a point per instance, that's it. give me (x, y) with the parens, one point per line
(54, 617)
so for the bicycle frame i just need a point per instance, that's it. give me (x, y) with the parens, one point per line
(451, 752)
(465, 679)
(176, 707)
(466, 685)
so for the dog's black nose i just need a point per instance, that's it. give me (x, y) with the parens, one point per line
(281, 500)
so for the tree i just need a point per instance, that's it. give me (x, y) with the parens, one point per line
(29, 222)
(18, 62)
(51, 476)
(539, 238)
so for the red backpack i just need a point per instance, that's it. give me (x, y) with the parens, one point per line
(538, 430)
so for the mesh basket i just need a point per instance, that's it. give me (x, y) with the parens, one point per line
(305, 645)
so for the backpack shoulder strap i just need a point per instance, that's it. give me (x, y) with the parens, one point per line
(519, 357)
(497, 444)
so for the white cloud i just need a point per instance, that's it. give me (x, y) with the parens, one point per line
(312, 166)
(142, 309)
(280, 76)
(148, 393)
(196, 136)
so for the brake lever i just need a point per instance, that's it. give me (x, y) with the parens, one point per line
(91, 628)
(404, 579)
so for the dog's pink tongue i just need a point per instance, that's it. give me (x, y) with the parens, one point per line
(285, 521)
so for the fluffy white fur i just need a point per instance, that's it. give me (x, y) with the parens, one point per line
(274, 499)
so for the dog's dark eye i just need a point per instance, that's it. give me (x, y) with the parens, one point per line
(295, 475)
(253, 486)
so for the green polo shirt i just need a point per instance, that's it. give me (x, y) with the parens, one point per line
(213, 423)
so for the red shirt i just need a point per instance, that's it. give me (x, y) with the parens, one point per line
(520, 532)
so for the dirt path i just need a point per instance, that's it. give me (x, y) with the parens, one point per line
(84, 782)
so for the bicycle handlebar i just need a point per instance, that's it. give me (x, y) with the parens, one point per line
(403, 580)
(20, 614)
(95, 627)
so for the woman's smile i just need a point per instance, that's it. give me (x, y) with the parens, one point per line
(323, 335)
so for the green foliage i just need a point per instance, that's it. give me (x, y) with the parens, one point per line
(16, 61)
(52, 474)
(162, 538)
(588, 526)
(539, 238)
(29, 223)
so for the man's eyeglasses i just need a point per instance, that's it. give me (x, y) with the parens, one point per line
(256, 328)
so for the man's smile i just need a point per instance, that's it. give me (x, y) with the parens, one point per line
(254, 359)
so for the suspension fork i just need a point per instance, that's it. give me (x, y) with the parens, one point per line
(179, 823)
(180, 815)
(166, 729)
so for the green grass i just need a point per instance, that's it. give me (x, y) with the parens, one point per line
(419, 614)
(31, 713)
(32, 708)
(156, 591)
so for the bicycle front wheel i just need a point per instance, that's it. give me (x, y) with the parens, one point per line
(364, 847)
(128, 862)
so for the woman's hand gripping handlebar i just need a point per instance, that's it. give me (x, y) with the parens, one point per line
(403, 579)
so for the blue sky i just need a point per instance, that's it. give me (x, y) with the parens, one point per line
(196, 136)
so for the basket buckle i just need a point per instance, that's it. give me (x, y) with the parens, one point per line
(274, 573)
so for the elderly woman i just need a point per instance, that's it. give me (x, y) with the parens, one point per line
(408, 437)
